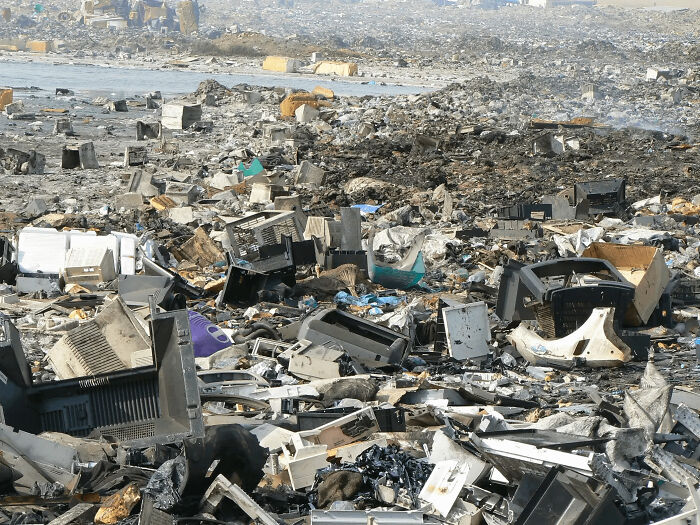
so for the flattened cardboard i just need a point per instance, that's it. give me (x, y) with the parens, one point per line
(644, 267)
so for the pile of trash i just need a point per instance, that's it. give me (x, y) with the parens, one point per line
(305, 372)
(255, 305)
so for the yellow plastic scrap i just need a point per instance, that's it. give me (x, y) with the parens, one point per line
(78, 314)
(119, 505)
(75, 288)
(290, 104)
(324, 92)
(161, 202)
(279, 64)
(5, 97)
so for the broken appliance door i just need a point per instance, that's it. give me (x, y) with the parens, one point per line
(15, 373)
(467, 330)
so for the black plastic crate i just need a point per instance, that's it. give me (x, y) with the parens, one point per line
(638, 343)
(686, 292)
(8, 268)
(570, 308)
(663, 314)
(302, 252)
(561, 308)
(335, 258)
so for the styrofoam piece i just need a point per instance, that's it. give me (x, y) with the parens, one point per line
(42, 250)
(91, 240)
(127, 252)
(89, 264)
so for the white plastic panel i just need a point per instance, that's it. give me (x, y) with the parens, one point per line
(467, 329)
(91, 240)
(41, 250)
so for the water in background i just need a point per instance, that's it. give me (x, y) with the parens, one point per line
(121, 82)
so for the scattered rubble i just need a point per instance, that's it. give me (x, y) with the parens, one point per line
(474, 304)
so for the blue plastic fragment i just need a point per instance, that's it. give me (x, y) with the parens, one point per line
(367, 208)
(390, 277)
(255, 168)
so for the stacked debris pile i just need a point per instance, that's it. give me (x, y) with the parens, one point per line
(264, 305)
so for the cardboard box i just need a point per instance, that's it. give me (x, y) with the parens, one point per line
(161, 202)
(39, 46)
(154, 13)
(88, 265)
(644, 267)
(341, 69)
(290, 104)
(13, 44)
(280, 64)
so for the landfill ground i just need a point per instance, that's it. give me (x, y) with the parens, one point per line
(475, 302)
